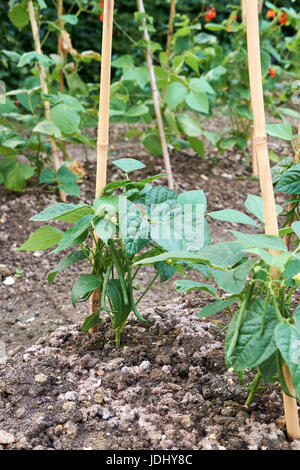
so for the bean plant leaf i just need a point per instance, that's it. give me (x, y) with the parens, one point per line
(289, 182)
(186, 285)
(84, 285)
(268, 369)
(47, 127)
(189, 125)
(134, 228)
(231, 215)
(222, 255)
(120, 310)
(65, 212)
(198, 102)
(128, 164)
(288, 342)
(70, 188)
(217, 307)
(65, 118)
(90, 321)
(233, 280)
(47, 176)
(281, 131)
(66, 262)
(175, 94)
(43, 238)
(296, 228)
(269, 242)
(254, 346)
(254, 204)
(165, 270)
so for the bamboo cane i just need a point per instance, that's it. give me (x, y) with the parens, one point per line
(38, 49)
(156, 102)
(103, 121)
(260, 139)
(254, 159)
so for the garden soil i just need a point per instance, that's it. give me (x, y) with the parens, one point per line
(167, 386)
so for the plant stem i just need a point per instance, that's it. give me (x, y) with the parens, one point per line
(253, 388)
(118, 337)
(147, 289)
(240, 320)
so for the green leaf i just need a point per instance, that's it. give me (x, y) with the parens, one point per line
(189, 125)
(43, 238)
(199, 85)
(197, 145)
(90, 321)
(136, 111)
(233, 280)
(19, 16)
(194, 197)
(265, 62)
(270, 242)
(152, 143)
(15, 178)
(64, 175)
(288, 342)
(270, 258)
(134, 228)
(175, 94)
(124, 62)
(66, 262)
(231, 215)
(254, 204)
(84, 285)
(128, 164)
(105, 229)
(221, 255)
(165, 271)
(289, 182)
(217, 307)
(296, 228)
(296, 317)
(188, 286)
(71, 19)
(198, 102)
(268, 369)
(28, 57)
(48, 128)
(254, 347)
(281, 131)
(65, 118)
(291, 270)
(65, 212)
(120, 310)
(70, 188)
(47, 176)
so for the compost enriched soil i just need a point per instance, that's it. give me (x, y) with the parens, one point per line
(167, 386)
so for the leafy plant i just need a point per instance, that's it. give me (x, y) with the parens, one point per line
(122, 227)
(265, 331)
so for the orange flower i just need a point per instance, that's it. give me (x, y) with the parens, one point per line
(271, 13)
(101, 6)
(283, 19)
(272, 73)
(211, 14)
(228, 29)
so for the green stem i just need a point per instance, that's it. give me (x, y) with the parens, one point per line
(147, 288)
(239, 321)
(253, 388)
(118, 337)
(119, 271)
(276, 308)
(264, 313)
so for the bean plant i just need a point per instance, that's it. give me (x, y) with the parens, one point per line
(258, 275)
(119, 229)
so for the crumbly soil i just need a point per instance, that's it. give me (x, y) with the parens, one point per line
(166, 387)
